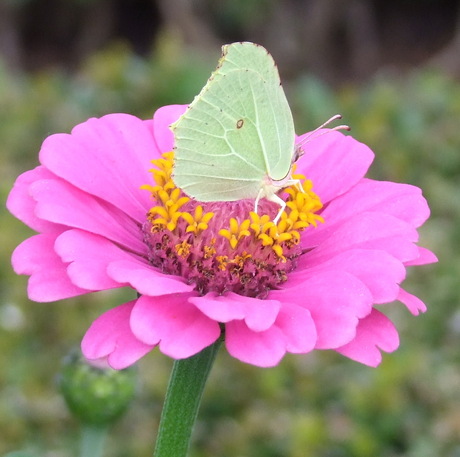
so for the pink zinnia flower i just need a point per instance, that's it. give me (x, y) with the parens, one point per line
(205, 269)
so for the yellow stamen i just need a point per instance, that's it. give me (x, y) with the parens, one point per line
(198, 222)
(236, 231)
(279, 252)
(168, 217)
(266, 239)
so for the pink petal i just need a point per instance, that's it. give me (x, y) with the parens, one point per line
(413, 303)
(378, 270)
(293, 329)
(146, 279)
(107, 157)
(48, 274)
(162, 119)
(366, 230)
(334, 162)
(336, 301)
(88, 257)
(149, 125)
(62, 203)
(22, 205)
(375, 332)
(110, 337)
(298, 328)
(177, 325)
(402, 201)
(258, 314)
(425, 257)
(263, 349)
(98, 264)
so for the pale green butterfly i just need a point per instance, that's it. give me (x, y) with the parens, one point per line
(236, 140)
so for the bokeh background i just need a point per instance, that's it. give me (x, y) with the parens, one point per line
(391, 68)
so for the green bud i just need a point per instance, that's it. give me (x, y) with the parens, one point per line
(97, 396)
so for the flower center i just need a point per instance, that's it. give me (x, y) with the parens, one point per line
(226, 246)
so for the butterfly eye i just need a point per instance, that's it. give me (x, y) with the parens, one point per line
(240, 123)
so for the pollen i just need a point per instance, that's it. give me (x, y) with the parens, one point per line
(183, 249)
(209, 251)
(222, 262)
(225, 246)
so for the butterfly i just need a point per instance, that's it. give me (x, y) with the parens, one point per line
(236, 140)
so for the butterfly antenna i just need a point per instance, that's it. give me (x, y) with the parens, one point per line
(332, 119)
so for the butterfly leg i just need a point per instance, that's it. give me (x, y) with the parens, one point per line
(272, 198)
(260, 194)
(294, 182)
(275, 199)
(297, 183)
(299, 186)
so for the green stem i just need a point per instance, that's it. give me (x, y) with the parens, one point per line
(92, 441)
(186, 385)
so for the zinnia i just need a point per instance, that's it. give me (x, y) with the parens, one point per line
(206, 270)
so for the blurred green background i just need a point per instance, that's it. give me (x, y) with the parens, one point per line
(390, 68)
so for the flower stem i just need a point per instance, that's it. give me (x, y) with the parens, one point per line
(92, 441)
(180, 409)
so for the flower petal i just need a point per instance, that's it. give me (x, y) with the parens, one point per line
(298, 328)
(110, 336)
(336, 300)
(402, 201)
(22, 205)
(378, 270)
(162, 119)
(177, 325)
(425, 257)
(48, 274)
(88, 257)
(368, 230)
(263, 349)
(61, 203)
(146, 279)
(374, 333)
(118, 148)
(413, 303)
(293, 331)
(258, 314)
(334, 162)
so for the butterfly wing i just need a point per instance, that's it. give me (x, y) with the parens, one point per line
(237, 131)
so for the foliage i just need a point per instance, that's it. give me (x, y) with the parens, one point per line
(321, 404)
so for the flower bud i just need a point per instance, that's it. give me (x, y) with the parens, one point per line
(97, 396)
